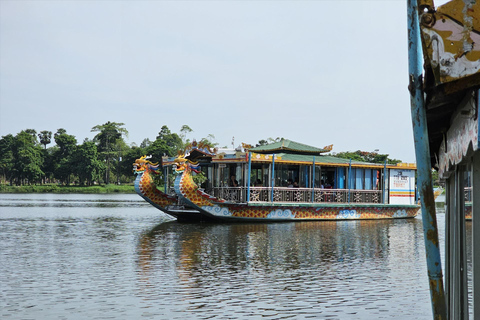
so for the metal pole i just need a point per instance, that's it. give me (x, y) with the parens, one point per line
(306, 177)
(313, 181)
(273, 176)
(476, 231)
(422, 152)
(249, 173)
(348, 180)
(476, 222)
(385, 182)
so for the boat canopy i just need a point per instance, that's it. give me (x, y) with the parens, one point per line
(289, 147)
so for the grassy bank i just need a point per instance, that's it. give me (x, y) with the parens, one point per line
(110, 188)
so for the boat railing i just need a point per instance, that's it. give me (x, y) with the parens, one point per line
(231, 194)
(304, 195)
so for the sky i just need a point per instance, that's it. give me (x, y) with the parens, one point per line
(316, 72)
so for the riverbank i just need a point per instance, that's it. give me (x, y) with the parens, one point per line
(110, 188)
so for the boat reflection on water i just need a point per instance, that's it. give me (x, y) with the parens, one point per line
(338, 261)
(291, 244)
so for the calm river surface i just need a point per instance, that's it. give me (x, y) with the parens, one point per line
(117, 257)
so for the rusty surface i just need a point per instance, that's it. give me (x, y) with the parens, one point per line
(438, 299)
(428, 20)
(422, 4)
(451, 43)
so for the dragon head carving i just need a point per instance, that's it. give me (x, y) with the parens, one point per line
(182, 164)
(143, 164)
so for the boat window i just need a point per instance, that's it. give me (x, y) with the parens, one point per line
(341, 178)
(351, 178)
(225, 171)
(284, 173)
(359, 178)
(368, 179)
(328, 176)
(318, 177)
(208, 173)
(259, 175)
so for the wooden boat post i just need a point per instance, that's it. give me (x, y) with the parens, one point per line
(448, 99)
(424, 174)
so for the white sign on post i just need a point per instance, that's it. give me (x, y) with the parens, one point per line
(402, 186)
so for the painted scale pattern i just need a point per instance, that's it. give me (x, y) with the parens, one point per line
(311, 213)
(211, 204)
(146, 187)
(189, 189)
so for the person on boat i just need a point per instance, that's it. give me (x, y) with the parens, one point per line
(233, 182)
(258, 183)
(322, 186)
(295, 184)
(289, 183)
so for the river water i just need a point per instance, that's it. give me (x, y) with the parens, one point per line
(117, 257)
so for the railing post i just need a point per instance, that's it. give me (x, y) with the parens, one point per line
(249, 173)
(422, 152)
(385, 181)
(273, 177)
(313, 181)
(348, 179)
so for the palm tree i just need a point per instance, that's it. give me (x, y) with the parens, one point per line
(108, 135)
(183, 133)
(45, 137)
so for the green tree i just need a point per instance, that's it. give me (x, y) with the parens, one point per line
(272, 140)
(107, 140)
(209, 141)
(158, 149)
(183, 133)
(128, 158)
(167, 143)
(365, 156)
(45, 137)
(145, 143)
(261, 143)
(27, 158)
(121, 148)
(48, 166)
(63, 155)
(33, 133)
(88, 166)
(7, 160)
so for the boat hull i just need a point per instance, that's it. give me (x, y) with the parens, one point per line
(307, 212)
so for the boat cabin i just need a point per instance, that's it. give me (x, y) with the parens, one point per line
(280, 175)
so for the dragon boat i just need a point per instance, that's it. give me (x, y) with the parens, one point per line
(259, 184)
(168, 203)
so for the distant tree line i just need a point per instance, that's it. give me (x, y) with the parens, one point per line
(365, 156)
(25, 158)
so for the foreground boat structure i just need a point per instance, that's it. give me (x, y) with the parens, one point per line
(288, 181)
(444, 82)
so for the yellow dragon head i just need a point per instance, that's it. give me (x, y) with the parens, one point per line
(143, 164)
(182, 164)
